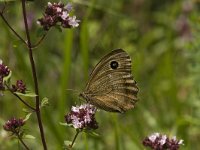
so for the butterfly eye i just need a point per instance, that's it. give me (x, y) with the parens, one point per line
(114, 64)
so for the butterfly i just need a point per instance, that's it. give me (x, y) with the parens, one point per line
(111, 86)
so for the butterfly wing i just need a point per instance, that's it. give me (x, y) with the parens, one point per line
(111, 86)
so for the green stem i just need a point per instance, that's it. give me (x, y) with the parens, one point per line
(76, 135)
(20, 139)
(24, 102)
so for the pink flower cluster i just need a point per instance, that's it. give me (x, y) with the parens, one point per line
(157, 141)
(58, 14)
(14, 125)
(82, 117)
(19, 87)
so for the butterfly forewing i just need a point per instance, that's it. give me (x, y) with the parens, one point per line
(111, 86)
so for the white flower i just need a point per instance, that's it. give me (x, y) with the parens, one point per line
(75, 109)
(38, 22)
(153, 137)
(49, 4)
(64, 15)
(174, 138)
(73, 22)
(76, 123)
(1, 62)
(87, 118)
(162, 141)
(180, 142)
(58, 9)
(68, 7)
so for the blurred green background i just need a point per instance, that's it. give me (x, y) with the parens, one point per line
(162, 37)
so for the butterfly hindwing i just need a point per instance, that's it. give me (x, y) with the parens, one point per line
(111, 86)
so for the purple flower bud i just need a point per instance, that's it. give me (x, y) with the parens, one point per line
(4, 70)
(13, 125)
(19, 87)
(82, 117)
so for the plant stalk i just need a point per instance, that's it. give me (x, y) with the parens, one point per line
(37, 98)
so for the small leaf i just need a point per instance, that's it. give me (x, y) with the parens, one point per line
(28, 136)
(45, 102)
(27, 94)
(27, 116)
(25, 110)
(65, 124)
(92, 133)
(7, 78)
(58, 28)
(68, 143)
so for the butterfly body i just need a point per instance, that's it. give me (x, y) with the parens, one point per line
(111, 86)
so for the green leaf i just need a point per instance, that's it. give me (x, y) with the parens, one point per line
(26, 110)
(92, 133)
(27, 94)
(68, 143)
(58, 28)
(65, 124)
(28, 136)
(7, 78)
(27, 116)
(45, 102)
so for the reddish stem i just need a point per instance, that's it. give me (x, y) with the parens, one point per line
(9, 26)
(20, 139)
(34, 76)
(24, 102)
(39, 42)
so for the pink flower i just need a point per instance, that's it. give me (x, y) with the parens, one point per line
(58, 14)
(82, 117)
(157, 141)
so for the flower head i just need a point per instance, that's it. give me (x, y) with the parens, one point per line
(174, 143)
(4, 71)
(58, 14)
(157, 141)
(14, 125)
(19, 87)
(82, 117)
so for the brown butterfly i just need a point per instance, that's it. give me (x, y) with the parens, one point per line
(111, 86)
